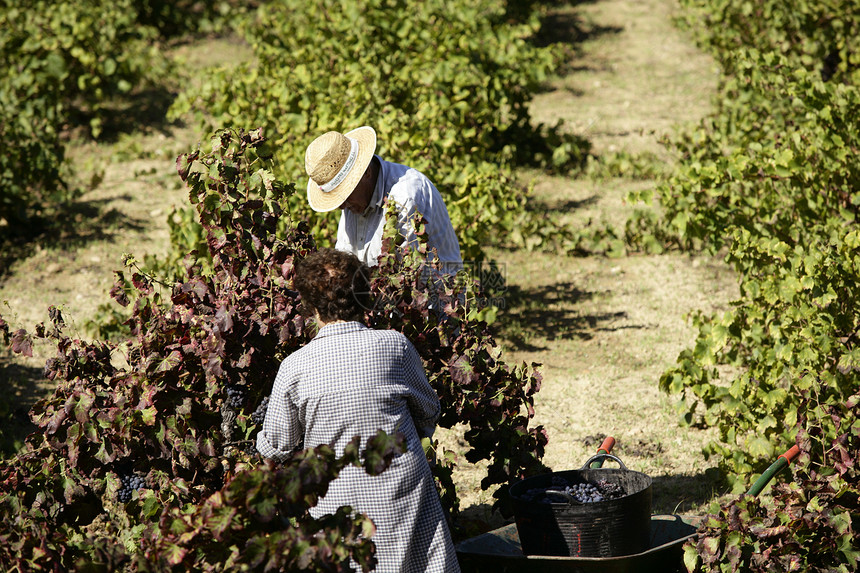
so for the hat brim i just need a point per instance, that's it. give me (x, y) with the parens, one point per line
(319, 200)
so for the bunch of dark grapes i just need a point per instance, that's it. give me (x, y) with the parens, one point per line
(235, 396)
(558, 481)
(583, 492)
(537, 494)
(260, 413)
(130, 482)
(610, 490)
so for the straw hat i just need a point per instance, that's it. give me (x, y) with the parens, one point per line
(335, 163)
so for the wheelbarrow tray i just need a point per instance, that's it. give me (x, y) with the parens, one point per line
(499, 551)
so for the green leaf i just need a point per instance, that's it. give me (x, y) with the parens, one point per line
(174, 554)
(169, 362)
(264, 506)
(150, 505)
(691, 557)
(148, 415)
(759, 446)
(105, 453)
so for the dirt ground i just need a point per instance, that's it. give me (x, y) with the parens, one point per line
(603, 328)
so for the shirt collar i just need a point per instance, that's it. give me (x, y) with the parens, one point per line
(378, 196)
(338, 328)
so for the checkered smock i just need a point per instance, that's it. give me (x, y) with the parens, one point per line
(352, 380)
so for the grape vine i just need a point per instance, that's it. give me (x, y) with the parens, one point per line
(770, 180)
(185, 392)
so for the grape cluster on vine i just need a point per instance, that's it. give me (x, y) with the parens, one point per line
(130, 483)
(235, 396)
(259, 414)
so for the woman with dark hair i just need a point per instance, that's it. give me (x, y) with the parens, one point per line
(351, 380)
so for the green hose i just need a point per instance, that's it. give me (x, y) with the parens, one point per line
(774, 468)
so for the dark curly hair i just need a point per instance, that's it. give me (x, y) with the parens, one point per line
(334, 284)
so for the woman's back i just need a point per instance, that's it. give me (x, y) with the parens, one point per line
(364, 380)
(353, 381)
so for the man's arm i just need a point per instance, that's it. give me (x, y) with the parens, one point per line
(282, 431)
(418, 197)
(407, 213)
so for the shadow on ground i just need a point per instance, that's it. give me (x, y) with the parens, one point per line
(680, 494)
(142, 111)
(74, 226)
(570, 205)
(77, 222)
(19, 384)
(564, 25)
(88, 221)
(547, 313)
(477, 519)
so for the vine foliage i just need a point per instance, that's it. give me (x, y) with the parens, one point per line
(161, 405)
(446, 86)
(71, 68)
(770, 180)
(808, 524)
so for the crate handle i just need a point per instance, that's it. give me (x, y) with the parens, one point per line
(602, 457)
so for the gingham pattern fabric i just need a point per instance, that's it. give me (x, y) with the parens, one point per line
(352, 380)
(413, 192)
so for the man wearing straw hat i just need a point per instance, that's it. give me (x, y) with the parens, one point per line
(346, 173)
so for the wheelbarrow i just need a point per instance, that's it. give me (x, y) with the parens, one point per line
(500, 550)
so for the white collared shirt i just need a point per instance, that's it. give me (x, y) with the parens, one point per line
(413, 192)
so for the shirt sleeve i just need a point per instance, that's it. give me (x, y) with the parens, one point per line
(423, 402)
(418, 196)
(282, 431)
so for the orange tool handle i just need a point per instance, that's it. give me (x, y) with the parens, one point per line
(607, 445)
(791, 454)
